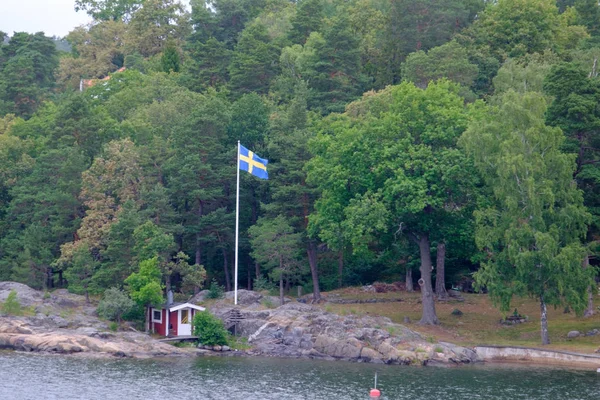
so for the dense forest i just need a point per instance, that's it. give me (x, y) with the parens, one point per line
(424, 141)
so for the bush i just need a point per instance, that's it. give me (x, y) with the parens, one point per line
(12, 306)
(215, 291)
(114, 305)
(263, 284)
(209, 329)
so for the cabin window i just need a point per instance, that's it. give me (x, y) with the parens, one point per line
(184, 317)
(157, 316)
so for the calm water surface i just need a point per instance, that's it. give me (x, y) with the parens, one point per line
(27, 376)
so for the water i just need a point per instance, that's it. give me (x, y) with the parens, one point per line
(35, 377)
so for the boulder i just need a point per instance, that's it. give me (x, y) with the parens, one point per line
(26, 295)
(573, 334)
(344, 348)
(200, 297)
(370, 355)
(245, 297)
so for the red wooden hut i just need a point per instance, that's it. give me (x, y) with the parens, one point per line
(177, 317)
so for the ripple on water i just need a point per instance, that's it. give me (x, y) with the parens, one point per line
(26, 376)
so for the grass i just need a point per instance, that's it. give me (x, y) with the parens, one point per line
(479, 323)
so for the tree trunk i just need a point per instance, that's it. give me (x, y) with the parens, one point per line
(198, 260)
(340, 267)
(429, 316)
(226, 270)
(281, 300)
(147, 324)
(312, 261)
(257, 270)
(440, 276)
(544, 321)
(249, 279)
(590, 308)
(198, 250)
(409, 279)
(87, 296)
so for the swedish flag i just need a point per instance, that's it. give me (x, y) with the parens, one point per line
(252, 163)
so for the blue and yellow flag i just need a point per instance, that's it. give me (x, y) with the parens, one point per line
(252, 163)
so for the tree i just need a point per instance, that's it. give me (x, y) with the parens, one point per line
(574, 110)
(308, 18)
(391, 165)
(81, 272)
(421, 25)
(27, 65)
(449, 61)
(114, 305)
(277, 247)
(531, 232)
(155, 25)
(170, 60)
(144, 286)
(513, 28)
(109, 10)
(332, 69)
(291, 195)
(253, 62)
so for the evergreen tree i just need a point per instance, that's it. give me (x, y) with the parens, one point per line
(254, 61)
(308, 18)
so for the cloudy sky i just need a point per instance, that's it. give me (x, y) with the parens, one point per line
(53, 17)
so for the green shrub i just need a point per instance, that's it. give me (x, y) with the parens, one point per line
(209, 329)
(268, 303)
(12, 306)
(114, 305)
(263, 284)
(215, 291)
(113, 326)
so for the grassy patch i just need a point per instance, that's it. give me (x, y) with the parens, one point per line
(480, 322)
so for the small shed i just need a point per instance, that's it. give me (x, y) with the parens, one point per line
(174, 319)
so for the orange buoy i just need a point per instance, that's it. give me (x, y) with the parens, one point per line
(374, 393)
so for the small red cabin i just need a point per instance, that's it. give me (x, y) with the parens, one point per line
(177, 317)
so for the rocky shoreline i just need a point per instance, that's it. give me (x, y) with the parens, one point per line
(63, 323)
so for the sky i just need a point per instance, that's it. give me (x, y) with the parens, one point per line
(53, 17)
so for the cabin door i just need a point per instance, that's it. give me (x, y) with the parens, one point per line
(185, 325)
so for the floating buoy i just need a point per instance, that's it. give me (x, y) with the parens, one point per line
(375, 393)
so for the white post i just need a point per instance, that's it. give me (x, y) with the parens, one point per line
(237, 224)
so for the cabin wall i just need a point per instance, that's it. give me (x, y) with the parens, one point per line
(158, 327)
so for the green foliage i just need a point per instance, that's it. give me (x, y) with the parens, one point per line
(141, 163)
(144, 286)
(114, 305)
(261, 284)
(12, 306)
(215, 291)
(209, 329)
(447, 61)
(170, 60)
(533, 227)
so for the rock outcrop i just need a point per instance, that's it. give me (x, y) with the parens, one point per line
(62, 322)
(305, 331)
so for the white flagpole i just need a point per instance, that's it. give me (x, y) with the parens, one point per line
(237, 225)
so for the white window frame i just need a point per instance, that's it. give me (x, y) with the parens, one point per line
(154, 319)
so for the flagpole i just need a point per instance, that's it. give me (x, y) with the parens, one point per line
(237, 226)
